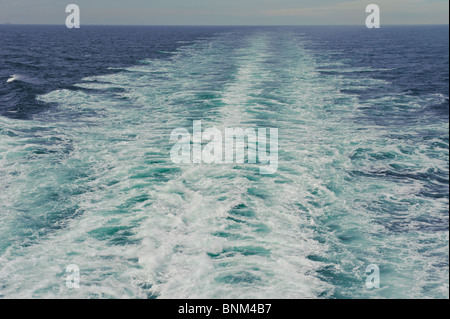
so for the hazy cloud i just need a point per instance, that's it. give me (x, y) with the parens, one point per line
(243, 12)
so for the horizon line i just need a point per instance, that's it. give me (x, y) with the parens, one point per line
(221, 25)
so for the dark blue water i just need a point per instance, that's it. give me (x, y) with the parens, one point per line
(86, 176)
(53, 57)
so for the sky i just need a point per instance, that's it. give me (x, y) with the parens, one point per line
(224, 12)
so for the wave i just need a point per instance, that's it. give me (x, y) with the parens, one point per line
(13, 78)
(23, 78)
(347, 193)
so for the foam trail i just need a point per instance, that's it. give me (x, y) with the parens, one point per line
(91, 183)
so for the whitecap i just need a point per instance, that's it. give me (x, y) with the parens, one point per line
(13, 78)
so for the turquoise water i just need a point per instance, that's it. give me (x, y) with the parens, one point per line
(90, 181)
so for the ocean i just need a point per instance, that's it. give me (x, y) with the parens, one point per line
(86, 177)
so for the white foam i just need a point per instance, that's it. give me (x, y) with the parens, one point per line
(179, 233)
(13, 78)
